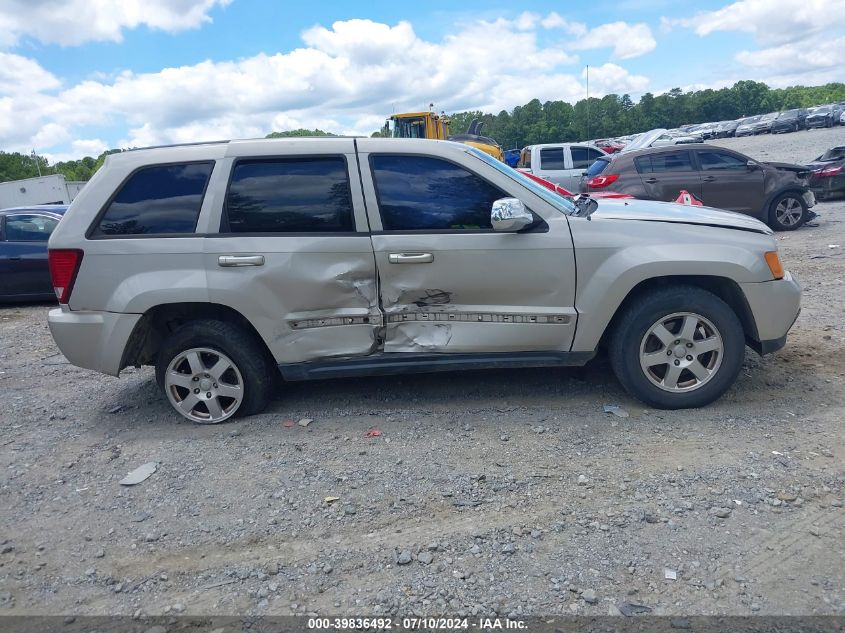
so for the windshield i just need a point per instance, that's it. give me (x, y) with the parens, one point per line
(559, 202)
(407, 128)
(789, 114)
(770, 116)
(751, 119)
(821, 110)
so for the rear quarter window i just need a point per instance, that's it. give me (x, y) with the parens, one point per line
(597, 167)
(156, 200)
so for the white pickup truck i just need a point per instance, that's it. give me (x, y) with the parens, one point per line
(560, 163)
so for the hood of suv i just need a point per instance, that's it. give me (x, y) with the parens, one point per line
(650, 211)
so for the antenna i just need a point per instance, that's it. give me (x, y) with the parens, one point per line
(588, 102)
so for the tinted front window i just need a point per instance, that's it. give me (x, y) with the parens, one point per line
(551, 158)
(711, 161)
(655, 163)
(156, 200)
(289, 195)
(423, 193)
(583, 157)
(29, 228)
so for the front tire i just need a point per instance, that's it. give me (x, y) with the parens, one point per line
(678, 347)
(211, 371)
(787, 212)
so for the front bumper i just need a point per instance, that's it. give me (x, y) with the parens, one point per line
(93, 340)
(775, 306)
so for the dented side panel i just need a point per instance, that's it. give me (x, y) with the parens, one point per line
(483, 292)
(314, 297)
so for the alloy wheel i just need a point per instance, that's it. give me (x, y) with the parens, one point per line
(789, 211)
(681, 352)
(204, 385)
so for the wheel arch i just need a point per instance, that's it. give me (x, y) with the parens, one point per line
(160, 321)
(790, 188)
(724, 288)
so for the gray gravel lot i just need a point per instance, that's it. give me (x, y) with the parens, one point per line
(488, 492)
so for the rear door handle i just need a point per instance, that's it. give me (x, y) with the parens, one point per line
(651, 181)
(709, 178)
(410, 258)
(231, 261)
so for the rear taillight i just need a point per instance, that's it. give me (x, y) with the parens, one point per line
(64, 264)
(829, 172)
(599, 182)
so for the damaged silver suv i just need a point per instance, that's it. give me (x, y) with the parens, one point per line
(229, 265)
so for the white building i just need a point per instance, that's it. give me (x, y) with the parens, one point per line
(52, 189)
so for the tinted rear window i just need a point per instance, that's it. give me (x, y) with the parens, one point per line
(551, 158)
(291, 195)
(157, 200)
(655, 163)
(597, 167)
(583, 157)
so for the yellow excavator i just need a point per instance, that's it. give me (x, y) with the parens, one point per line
(436, 126)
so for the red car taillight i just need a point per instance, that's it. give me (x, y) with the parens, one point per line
(829, 172)
(600, 182)
(64, 264)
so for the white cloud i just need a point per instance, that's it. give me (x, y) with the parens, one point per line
(770, 21)
(612, 78)
(21, 75)
(71, 22)
(347, 79)
(626, 40)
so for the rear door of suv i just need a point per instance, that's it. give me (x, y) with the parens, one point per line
(665, 174)
(291, 249)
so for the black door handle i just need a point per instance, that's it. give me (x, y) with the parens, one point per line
(651, 181)
(709, 178)
(14, 259)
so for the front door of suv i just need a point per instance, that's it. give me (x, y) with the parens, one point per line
(448, 282)
(293, 251)
(727, 182)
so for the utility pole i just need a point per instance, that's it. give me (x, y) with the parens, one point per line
(588, 103)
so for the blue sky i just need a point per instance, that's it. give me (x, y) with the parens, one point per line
(77, 77)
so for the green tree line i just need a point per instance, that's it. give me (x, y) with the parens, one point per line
(615, 115)
(549, 122)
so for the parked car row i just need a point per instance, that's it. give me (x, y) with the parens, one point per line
(771, 123)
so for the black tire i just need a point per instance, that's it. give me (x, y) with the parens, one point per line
(781, 224)
(250, 356)
(642, 313)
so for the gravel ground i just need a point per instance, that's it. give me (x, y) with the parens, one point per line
(500, 492)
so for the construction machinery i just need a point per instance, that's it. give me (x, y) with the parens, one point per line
(436, 126)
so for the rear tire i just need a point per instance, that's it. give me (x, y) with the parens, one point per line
(787, 212)
(677, 347)
(211, 371)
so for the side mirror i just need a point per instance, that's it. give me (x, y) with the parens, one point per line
(509, 215)
(585, 205)
(752, 165)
